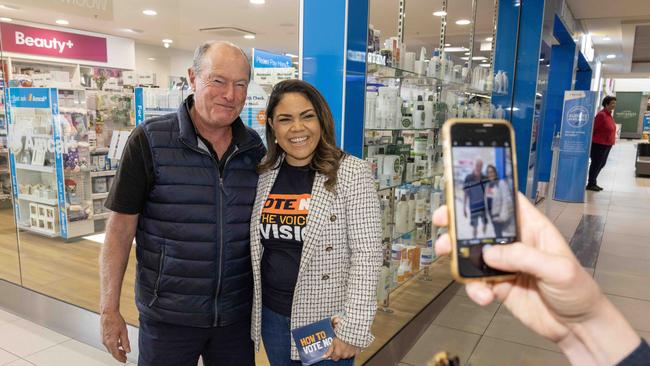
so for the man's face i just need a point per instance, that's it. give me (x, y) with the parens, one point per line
(220, 86)
(478, 167)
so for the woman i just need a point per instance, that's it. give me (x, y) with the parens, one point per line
(499, 202)
(604, 137)
(315, 231)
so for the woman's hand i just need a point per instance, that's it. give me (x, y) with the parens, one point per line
(340, 350)
(552, 294)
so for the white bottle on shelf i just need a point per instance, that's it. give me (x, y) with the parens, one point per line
(428, 112)
(411, 211)
(504, 82)
(371, 108)
(500, 113)
(402, 215)
(497, 82)
(419, 115)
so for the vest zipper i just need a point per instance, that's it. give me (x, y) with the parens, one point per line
(160, 269)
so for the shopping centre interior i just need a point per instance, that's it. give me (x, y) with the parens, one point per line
(68, 107)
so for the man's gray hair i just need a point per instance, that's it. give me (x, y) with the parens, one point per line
(201, 50)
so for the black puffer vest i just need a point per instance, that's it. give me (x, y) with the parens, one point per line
(193, 249)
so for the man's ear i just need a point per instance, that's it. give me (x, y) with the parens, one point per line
(192, 78)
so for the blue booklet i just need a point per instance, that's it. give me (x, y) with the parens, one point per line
(314, 340)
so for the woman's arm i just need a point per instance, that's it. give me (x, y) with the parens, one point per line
(364, 241)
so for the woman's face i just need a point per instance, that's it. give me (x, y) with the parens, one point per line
(492, 175)
(297, 128)
(611, 106)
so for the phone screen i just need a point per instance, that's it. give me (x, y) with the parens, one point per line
(484, 193)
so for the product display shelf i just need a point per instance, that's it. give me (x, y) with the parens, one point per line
(38, 231)
(97, 196)
(103, 173)
(31, 198)
(35, 168)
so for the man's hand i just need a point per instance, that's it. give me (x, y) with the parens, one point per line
(114, 335)
(340, 350)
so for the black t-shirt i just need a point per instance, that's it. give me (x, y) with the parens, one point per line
(284, 217)
(135, 176)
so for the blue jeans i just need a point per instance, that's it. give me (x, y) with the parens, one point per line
(276, 335)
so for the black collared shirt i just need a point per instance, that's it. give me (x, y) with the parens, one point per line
(135, 176)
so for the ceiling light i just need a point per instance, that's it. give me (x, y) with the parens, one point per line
(131, 30)
(257, 2)
(463, 22)
(440, 13)
(606, 39)
(475, 58)
(485, 65)
(447, 45)
(290, 55)
(4, 19)
(611, 56)
(456, 49)
(62, 22)
(167, 40)
(149, 12)
(249, 36)
(9, 7)
(489, 39)
(151, 59)
(167, 45)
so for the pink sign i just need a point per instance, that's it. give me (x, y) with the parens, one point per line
(48, 42)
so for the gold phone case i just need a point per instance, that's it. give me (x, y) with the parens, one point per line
(449, 192)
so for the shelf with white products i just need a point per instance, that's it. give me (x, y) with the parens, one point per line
(45, 201)
(159, 112)
(103, 173)
(420, 179)
(38, 231)
(73, 110)
(101, 216)
(5, 196)
(36, 168)
(97, 196)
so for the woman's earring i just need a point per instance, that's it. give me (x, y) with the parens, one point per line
(276, 141)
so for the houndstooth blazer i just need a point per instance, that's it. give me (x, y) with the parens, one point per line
(341, 255)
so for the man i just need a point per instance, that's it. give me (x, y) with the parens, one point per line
(474, 189)
(604, 137)
(185, 190)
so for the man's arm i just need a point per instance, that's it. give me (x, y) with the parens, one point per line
(113, 259)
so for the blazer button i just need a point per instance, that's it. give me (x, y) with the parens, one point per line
(325, 278)
(333, 218)
(329, 249)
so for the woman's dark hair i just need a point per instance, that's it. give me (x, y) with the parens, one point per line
(608, 99)
(496, 172)
(327, 157)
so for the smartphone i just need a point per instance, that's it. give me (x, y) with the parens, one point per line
(481, 192)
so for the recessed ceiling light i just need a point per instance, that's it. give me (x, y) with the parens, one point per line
(257, 2)
(447, 44)
(611, 56)
(151, 59)
(149, 12)
(489, 39)
(9, 7)
(440, 13)
(456, 49)
(463, 22)
(62, 22)
(131, 30)
(606, 39)
(5, 19)
(167, 40)
(290, 55)
(249, 36)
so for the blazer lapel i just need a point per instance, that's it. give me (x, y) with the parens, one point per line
(319, 208)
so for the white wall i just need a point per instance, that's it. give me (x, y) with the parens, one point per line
(168, 62)
(632, 85)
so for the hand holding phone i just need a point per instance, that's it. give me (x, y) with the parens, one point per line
(481, 168)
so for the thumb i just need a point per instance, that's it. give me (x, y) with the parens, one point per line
(330, 350)
(124, 340)
(519, 257)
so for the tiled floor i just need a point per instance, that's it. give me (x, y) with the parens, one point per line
(491, 336)
(479, 336)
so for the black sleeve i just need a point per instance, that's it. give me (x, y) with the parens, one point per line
(134, 177)
(639, 357)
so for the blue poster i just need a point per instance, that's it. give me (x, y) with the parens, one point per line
(646, 123)
(29, 98)
(575, 144)
(266, 60)
(139, 106)
(58, 157)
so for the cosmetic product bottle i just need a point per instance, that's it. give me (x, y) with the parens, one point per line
(504, 82)
(500, 113)
(428, 112)
(402, 215)
(419, 115)
(407, 113)
(411, 211)
(497, 82)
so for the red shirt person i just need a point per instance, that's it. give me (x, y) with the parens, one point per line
(603, 139)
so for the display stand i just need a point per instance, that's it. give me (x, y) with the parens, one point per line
(152, 102)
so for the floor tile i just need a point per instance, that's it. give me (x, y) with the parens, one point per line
(7, 317)
(23, 337)
(20, 362)
(618, 264)
(6, 357)
(495, 352)
(622, 284)
(635, 311)
(72, 353)
(506, 327)
(627, 246)
(463, 314)
(436, 339)
(586, 240)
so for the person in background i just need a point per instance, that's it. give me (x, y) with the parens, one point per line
(474, 199)
(553, 295)
(498, 202)
(315, 232)
(185, 191)
(604, 137)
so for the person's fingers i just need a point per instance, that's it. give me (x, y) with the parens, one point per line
(443, 245)
(501, 290)
(519, 257)
(113, 348)
(480, 293)
(440, 216)
(329, 352)
(124, 340)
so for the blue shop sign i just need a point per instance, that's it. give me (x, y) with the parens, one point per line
(267, 60)
(30, 98)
